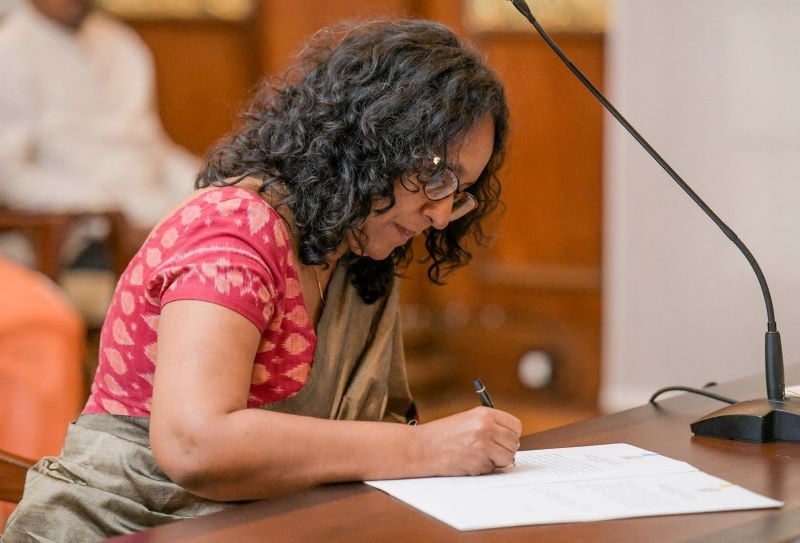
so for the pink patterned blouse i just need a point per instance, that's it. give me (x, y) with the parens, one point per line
(225, 246)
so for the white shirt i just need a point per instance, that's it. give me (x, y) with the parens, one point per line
(80, 129)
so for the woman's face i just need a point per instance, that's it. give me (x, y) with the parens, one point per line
(413, 213)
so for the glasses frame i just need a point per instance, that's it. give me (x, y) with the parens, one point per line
(463, 201)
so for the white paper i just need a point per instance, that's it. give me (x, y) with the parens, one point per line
(575, 484)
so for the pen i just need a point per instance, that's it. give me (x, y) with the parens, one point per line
(486, 400)
(483, 394)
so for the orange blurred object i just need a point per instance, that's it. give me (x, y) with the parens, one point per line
(42, 343)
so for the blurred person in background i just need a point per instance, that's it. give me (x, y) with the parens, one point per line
(81, 132)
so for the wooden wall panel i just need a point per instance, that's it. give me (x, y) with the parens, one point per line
(204, 70)
(287, 25)
(553, 176)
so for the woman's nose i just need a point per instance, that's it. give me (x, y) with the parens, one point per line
(438, 212)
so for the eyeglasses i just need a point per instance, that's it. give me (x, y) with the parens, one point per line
(442, 184)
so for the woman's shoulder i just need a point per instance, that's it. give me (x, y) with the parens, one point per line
(216, 207)
(220, 224)
(214, 196)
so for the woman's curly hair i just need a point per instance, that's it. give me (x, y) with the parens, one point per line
(356, 113)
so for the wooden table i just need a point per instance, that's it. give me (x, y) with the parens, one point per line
(357, 513)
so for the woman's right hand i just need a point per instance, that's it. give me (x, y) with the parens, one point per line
(473, 442)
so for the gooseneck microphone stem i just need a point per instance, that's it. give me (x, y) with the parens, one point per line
(522, 6)
(774, 419)
(773, 351)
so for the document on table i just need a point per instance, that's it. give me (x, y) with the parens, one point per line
(576, 484)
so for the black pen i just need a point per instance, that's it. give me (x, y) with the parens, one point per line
(486, 400)
(483, 394)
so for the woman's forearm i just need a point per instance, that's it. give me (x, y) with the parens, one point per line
(251, 453)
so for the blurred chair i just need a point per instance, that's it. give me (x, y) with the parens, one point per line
(13, 470)
(48, 231)
(12, 476)
(42, 343)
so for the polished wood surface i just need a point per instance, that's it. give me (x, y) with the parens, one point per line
(358, 513)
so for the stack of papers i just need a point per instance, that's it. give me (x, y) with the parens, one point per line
(576, 484)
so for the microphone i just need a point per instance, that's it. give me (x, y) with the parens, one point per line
(775, 418)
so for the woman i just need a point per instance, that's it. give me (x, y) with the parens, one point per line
(252, 347)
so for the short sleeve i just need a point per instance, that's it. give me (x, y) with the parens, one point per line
(226, 249)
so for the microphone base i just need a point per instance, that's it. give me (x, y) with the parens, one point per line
(757, 421)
